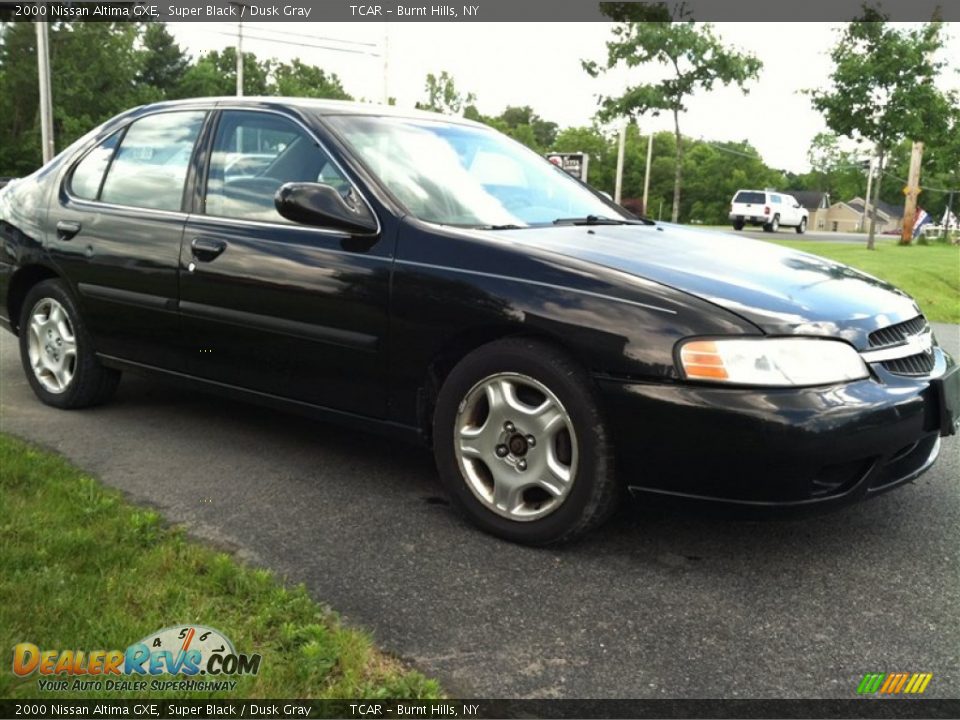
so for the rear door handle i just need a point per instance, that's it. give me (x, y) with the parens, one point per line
(66, 229)
(206, 250)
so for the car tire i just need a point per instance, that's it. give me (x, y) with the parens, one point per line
(738, 226)
(56, 351)
(491, 461)
(772, 226)
(802, 227)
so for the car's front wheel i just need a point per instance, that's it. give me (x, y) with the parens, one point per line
(802, 227)
(521, 444)
(56, 351)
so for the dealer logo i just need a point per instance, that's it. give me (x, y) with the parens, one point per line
(182, 650)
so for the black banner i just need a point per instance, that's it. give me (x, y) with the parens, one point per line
(534, 11)
(412, 709)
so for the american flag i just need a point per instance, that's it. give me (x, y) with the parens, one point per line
(920, 219)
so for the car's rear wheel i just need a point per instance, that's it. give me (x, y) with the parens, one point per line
(56, 351)
(773, 225)
(521, 444)
(802, 227)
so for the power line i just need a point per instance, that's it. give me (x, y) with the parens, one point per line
(248, 36)
(731, 150)
(261, 29)
(924, 187)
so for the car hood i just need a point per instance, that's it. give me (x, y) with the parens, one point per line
(782, 291)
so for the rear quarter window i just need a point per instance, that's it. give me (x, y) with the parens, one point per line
(88, 174)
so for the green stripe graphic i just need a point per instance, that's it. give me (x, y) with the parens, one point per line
(871, 683)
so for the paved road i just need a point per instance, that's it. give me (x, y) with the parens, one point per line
(811, 235)
(655, 605)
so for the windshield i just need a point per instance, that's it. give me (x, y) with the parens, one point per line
(461, 175)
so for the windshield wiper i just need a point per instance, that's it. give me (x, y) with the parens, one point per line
(600, 220)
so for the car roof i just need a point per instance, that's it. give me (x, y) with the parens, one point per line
(318, 106)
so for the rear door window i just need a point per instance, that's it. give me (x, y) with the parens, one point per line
(151, 164)
(752, 198)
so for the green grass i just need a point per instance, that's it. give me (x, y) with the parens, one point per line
(930, 273)
(82, 569)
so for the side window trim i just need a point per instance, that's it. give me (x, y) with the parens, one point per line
(195, 186)
(122, 133)
(220, 110)
(203, 178)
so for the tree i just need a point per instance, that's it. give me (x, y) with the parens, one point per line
(94, 76)
(836, 171)
(521, 124)
(942, 167)
(163, 63)
(544, 131)
(600, 147)
(692, 54)
(101, 69)
(215, 73)
(883, 87)
(714, 172)
(443, 96)
(297, 79)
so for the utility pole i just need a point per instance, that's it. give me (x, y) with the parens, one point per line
(46, 98)
(646, 174)
(386, 63)
(620, 149)
(240, 59)
(872, 233)
(911, 191)
(866, 199)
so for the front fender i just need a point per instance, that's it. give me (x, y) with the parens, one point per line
(448, 286)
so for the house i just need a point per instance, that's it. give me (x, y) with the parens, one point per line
(817, 203)
(848, 217)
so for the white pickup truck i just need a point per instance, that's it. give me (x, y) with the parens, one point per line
(769, 209)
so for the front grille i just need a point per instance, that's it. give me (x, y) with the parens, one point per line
(895, 334)
(899, 335)
(920, 364)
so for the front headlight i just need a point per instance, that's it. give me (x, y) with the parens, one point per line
(784, 362)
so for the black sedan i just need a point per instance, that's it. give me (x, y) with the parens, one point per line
(426, 276)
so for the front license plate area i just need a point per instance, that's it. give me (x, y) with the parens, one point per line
(947, 391)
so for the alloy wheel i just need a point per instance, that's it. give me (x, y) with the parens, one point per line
(516, 446)
(52, 345)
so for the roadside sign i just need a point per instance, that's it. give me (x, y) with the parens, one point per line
(574, 163)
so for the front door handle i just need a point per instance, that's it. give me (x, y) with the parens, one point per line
(66, 229)
(206, 250)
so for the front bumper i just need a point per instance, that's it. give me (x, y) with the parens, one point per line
(797, 447)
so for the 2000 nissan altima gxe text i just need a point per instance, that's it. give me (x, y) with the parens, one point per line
(430, 277)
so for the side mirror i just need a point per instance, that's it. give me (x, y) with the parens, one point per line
(320, 204)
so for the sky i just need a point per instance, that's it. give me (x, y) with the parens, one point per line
(539, 65)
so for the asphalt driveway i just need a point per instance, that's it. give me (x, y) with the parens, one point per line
(658, 604)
